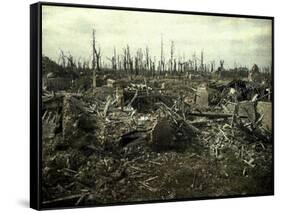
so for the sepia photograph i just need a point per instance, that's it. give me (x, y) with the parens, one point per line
(141, 105)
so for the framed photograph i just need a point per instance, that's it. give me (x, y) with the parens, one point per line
(134, 105)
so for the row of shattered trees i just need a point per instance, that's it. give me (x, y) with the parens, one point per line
(80, 71)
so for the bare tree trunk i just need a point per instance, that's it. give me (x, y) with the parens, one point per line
(202, 60)
(147, 59)
(162, 56)
(172, 57)
(94, 61)
(98, 59)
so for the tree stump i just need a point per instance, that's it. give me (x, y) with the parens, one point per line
(162, 135)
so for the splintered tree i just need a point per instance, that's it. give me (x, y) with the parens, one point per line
(62, 60)
(172, 67)
(220, 69)
(195, 61)
(221, 65)
(162, 63)
(147, 59)
(98, 57)
(136, 66)
(139, 61)
(212, 66)
(152, 66)
(127, 62)
(70, 61)
(202, 61)
(114, 61)
(96, 60)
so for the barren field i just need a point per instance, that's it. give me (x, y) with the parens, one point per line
(154, 138)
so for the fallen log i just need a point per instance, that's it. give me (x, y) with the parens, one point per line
(215, 115)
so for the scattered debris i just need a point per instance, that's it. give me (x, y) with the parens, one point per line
(147, 140)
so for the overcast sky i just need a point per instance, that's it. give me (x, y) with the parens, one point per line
(240, 40)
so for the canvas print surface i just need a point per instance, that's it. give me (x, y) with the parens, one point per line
(142, 106)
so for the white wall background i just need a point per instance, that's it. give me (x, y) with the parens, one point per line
(14, 105)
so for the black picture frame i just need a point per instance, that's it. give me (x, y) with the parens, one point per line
(36, 99)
